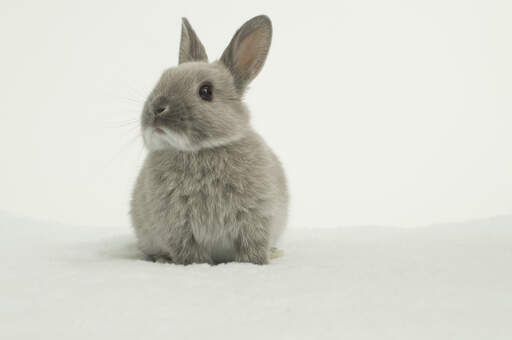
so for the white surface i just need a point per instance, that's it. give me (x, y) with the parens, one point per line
(441, 282)
(384, 112)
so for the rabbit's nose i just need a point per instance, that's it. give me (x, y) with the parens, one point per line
(159, 106)
(158, 110)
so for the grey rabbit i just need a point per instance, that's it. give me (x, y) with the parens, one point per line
(210, 190)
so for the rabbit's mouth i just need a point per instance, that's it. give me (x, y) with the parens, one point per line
(158, 127)
(159, 130)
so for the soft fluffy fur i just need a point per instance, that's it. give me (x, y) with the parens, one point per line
(210, 189)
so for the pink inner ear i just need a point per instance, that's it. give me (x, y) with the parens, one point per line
(248, 51)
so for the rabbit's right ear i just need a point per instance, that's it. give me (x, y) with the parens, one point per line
(191, 48)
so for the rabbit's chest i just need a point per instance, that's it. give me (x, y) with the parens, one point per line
(209, 204)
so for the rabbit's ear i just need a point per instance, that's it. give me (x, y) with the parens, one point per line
(191, 48)
(247, 51)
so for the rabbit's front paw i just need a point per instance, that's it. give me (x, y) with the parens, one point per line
(159, 258)
(187, 251)
(189, 257)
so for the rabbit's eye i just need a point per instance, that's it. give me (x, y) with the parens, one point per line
(206, 92)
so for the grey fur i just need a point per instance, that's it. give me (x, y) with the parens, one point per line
(191, 48)
(210, 189)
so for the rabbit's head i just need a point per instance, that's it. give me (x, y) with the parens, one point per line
(199, 104)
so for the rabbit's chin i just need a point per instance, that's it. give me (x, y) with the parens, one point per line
(164, 139)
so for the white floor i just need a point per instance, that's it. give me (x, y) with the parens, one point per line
(449, 281)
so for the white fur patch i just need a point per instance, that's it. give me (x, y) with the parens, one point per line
(161, 141)
(212, 143)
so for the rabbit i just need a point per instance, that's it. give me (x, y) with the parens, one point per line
(210, 189)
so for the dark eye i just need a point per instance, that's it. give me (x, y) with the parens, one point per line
(206, 92)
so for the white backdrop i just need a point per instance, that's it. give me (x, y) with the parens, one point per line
(383, 112)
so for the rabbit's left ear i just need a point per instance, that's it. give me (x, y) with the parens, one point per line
(191, 48)
(247, 51)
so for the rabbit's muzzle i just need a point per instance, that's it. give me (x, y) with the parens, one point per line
(169, 113)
